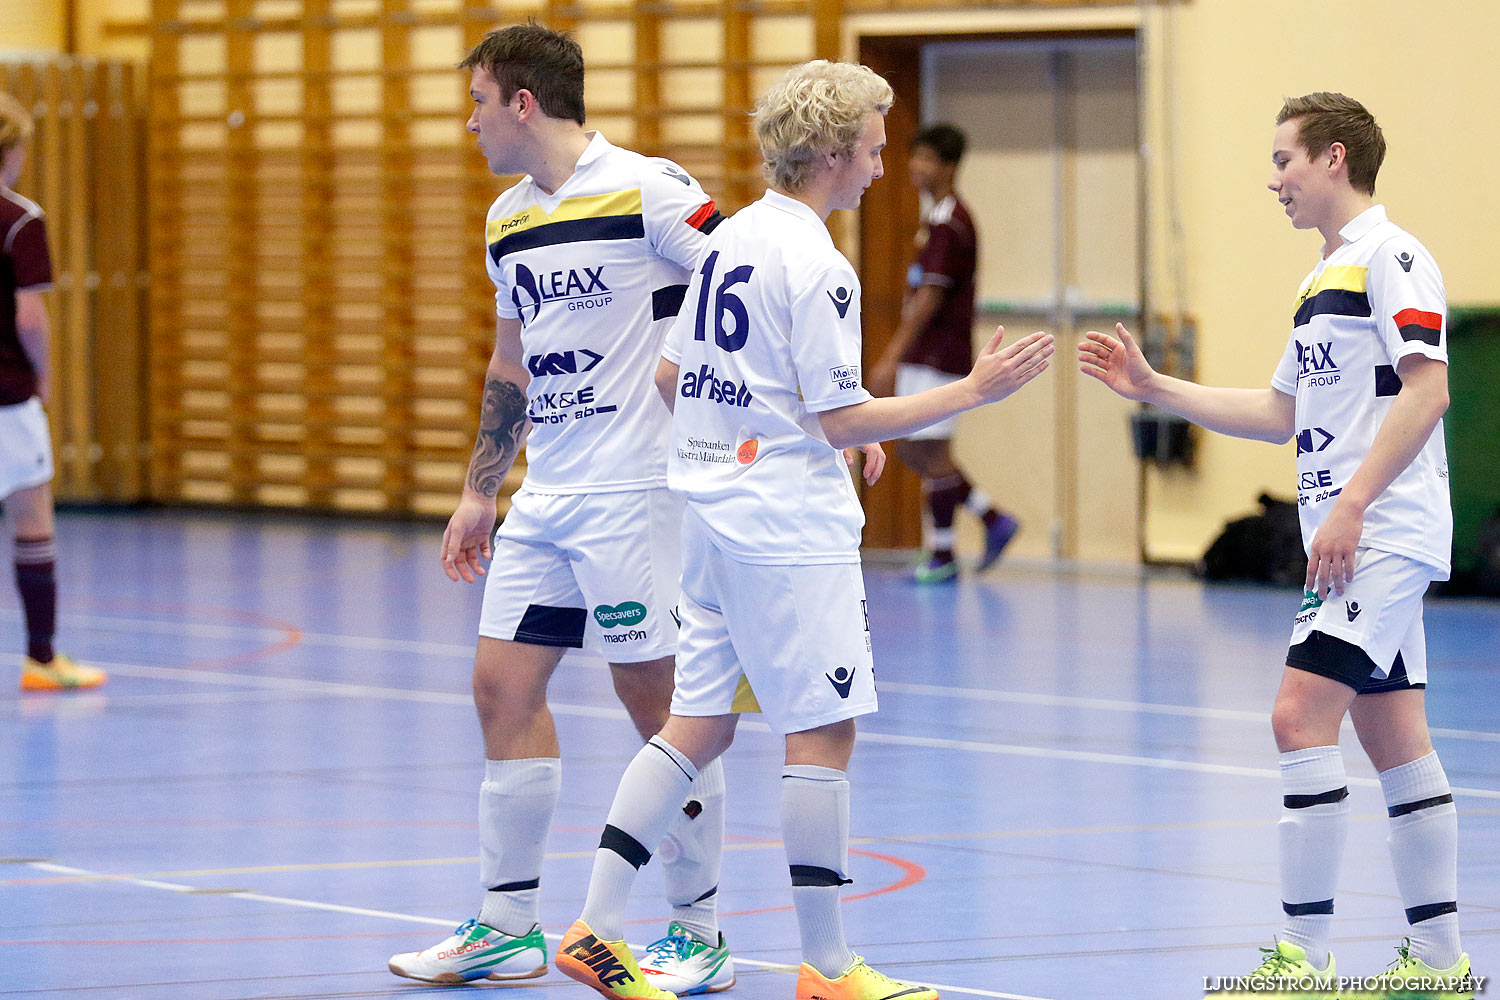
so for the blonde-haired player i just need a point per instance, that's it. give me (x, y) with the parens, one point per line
(763, 372)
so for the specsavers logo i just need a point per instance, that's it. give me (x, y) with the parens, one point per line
(621, 616)
(581, 288)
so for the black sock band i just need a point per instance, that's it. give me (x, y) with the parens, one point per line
(623, 844)
(1307, 909)
(1320, 799)
(1417, 914)
(814, 875)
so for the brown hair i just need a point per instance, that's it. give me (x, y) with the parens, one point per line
(1325, 118)
(15, 124)
(530, 57)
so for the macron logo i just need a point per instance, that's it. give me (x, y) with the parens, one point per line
(841, 297)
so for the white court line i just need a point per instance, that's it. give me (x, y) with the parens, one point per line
(1133, 707)
(466, 652)
(344, 690)
(104, 878)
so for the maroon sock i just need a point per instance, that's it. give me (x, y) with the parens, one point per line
(36, 580)
(944, 497)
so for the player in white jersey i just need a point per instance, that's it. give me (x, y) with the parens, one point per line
(1362, 389)
(763, 368)
(590, 254)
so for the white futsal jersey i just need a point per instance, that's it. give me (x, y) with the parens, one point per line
(1375, 300)
(768, 338)
(595, 271)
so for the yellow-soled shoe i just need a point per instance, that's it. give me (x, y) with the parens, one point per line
(1284, 971)
(859, 982)
(61, 674)
(607, 966)
(1410, 978)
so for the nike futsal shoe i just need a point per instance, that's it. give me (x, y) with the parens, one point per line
(859, 982)
(607, 966)
(934, 569)
(997, 536)
(1410, 978)
(1284, 971)
(59, 674)
(476, 951)
(682, 963)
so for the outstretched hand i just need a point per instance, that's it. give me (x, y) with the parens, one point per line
(1117, 362)
(998, 372)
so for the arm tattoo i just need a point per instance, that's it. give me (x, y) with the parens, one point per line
(502, 427)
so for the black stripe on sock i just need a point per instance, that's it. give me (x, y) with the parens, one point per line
(1320, 799)
(1417, 914)
(516, 886)
(707, 895)
(623, 844)
(1307, 909)
(1411, 807)
(813, 875)
(669, 756)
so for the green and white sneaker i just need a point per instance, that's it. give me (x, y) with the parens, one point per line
(1285, 971)
(476, 951)
(685, 965)
(1410, 978)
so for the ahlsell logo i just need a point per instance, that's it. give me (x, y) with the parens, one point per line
(842, 680)
(1351, 608)
(841, 297)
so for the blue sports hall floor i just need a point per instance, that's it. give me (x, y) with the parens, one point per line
(1070, 790)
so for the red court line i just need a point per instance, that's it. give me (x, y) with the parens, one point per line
(912, 873)
(291, 634)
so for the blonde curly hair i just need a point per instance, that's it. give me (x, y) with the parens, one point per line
(15, 124)
(816, 109)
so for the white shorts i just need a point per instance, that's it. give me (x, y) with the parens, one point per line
(800, 634)
(25, 447)
(595, 570)
(1380, 613)
(912, 379)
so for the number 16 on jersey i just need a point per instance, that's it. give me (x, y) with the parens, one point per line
(725, 303)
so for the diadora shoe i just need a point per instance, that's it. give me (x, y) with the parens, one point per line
(680, 962)
(859, 982)
(934, 569)
(61, 674)
(1410, 978)
(476, 951)
(996, 537)
(607, 966)
(1285, 971)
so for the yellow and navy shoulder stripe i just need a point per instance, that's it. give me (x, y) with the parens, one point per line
(612, 216)
(1339, 291)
